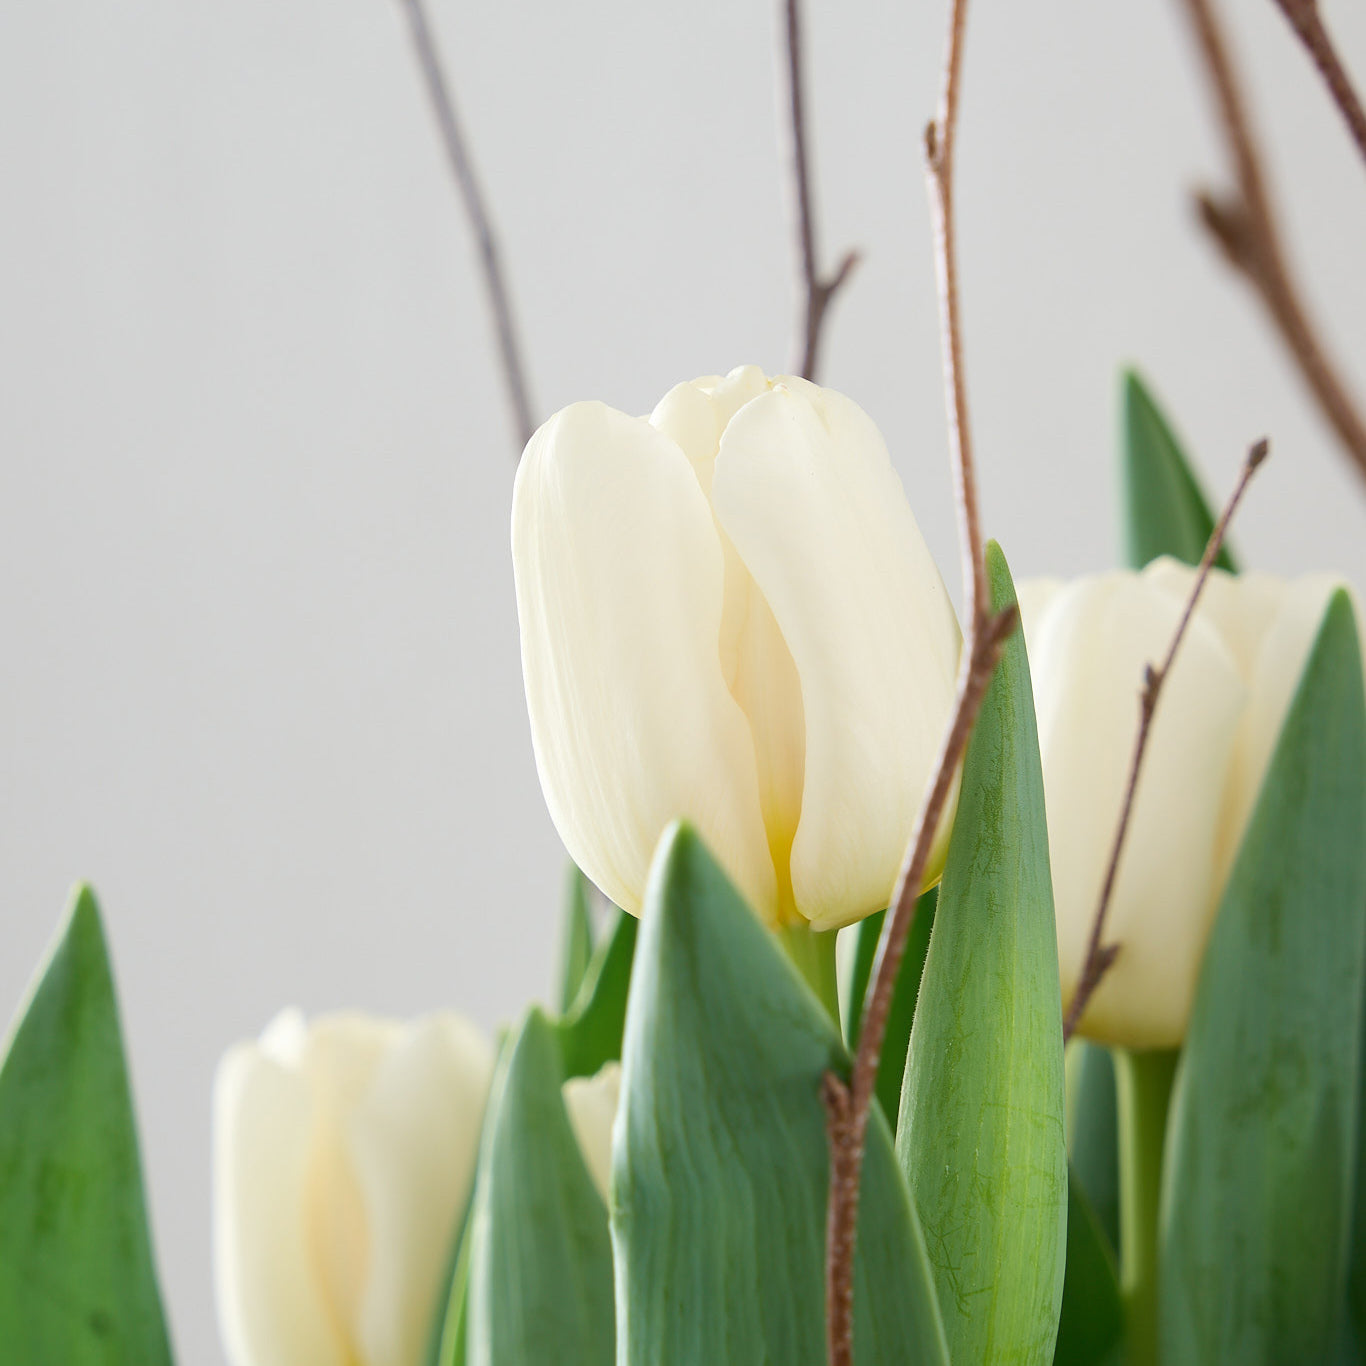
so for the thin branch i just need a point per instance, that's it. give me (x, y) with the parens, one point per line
(1305, 19)
(848, 1106)
(1099, 955)
(457, 154)
(817, 291)
(1245, 228)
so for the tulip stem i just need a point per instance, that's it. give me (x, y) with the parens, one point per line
(813, 954)
(1144, 1086)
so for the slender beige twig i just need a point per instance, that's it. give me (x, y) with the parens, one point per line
(1099, 955)
(848, 1106)
(1245, 228)
(490, 261)
(816, 291)
(1305, 19)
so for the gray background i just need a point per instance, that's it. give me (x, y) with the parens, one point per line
(259, 676)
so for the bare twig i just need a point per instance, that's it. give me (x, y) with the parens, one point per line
(1099, 955)
(817, 292)
(1245, 228)
(443, 106)
(1308, 23)
(848, 1106)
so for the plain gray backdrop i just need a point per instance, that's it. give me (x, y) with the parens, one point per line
(259, 674)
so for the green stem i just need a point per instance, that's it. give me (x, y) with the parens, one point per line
(1144, 1083)
(813, 953)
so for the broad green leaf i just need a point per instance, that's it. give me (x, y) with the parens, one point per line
(721, 1165)
(540, 1277)
(77, 1279)
(981, 1135)
(1165, 511)
(1261, 1142)
(892, 1064)
(1091, 1327)
(591, 1034)
(447, 1344)
(576, 948)
(1093, 1132)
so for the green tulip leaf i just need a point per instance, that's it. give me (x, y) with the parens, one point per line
(1261, 1147)
(981, 1137)
(540, 1259)
(892, 1064)
(576, 947)
(590, 1035)
(1093, 1132)
(78, 1283)
(721, 1165)
(1091, 1327)
(1165, 511)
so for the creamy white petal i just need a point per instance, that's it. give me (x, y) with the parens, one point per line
(592, 1106)
(694, 414)
(1033, 597)
(412, 1140)
(619, 575)
(1088, 664)
(272, 1308)
(805, 491)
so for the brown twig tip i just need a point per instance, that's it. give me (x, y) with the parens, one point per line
(817, 291)
(1244, 226)
(1099, 955)
(932, 143)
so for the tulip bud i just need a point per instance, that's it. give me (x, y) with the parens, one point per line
(592, 1106)
(729, 615)
(1216, 725)
(343, 1157)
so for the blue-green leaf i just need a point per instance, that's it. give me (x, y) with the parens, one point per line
(576, 937)
(1165, 511)
(1091, 1327)
(1261, 1142)
(981, 1136)
(1093, 1132)
(892, 1065)
(77, 1281)
(591, 1033)
(721, 1164)
(540, 1272)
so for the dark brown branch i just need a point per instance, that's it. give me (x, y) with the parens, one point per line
(1245, 228)
(1099, 955)
(848, 1106)
(457, 154)
(1305, 19)
(816, 291)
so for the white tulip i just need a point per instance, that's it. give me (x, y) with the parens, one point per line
(1217, 721)
(592, 1106)
(343, 1157)
(728, 614)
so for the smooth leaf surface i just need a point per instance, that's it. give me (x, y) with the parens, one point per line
(981, 1136)
(1165, 512)
(1261, 1142)
(576, 937)
(540, 1275)
(1093, 1132)
(591, 1034)
(892, 1065)
(721, 1165)
(1091, 1327)
(77, 1279)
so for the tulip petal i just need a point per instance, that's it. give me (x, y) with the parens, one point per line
(271, 1305)
(413, 1141)
(805, 491)
(619, 575)
(1089, 659)
(592, 1106)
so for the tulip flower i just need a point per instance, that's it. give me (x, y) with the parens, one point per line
(344, 1153)
(592, 1106)
(1216, 725)
(728, 614)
